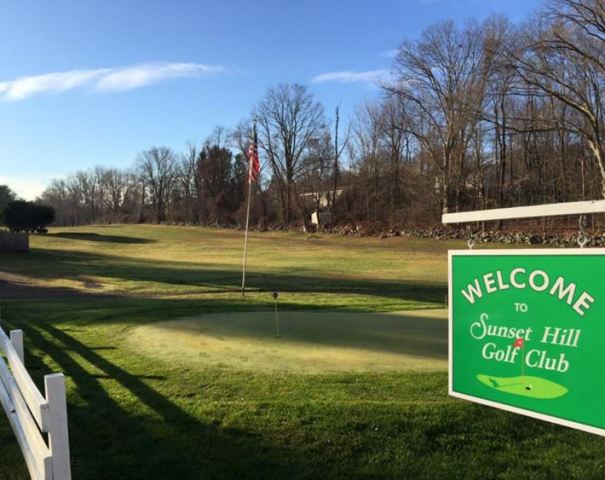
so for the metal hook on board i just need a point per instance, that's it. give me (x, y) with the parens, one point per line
(582, 237)
(471, 238)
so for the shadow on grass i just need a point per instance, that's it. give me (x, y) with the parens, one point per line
(202, 278)
(126, 422)
(161, 440)
(344, 327)
(95, 237)
(422, 336)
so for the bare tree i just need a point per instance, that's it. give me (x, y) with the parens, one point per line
(289, 119)
(114, 183)
(318, 170)
(88, 185)
(441, 79)
(221, 137)
(186, 177)
(156, 168)
(339, 148)
(565, 59)
(396, 138)
(368, 155)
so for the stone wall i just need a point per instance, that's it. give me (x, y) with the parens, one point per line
(14, 242)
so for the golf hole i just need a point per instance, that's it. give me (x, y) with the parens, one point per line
(528, 387)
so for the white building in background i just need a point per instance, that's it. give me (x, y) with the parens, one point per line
(321, 202)
(320, 199)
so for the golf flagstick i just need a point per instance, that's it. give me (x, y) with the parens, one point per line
(253, 171)
(275, 296)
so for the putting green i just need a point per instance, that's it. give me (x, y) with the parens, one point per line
(527, 386)
(310, 341)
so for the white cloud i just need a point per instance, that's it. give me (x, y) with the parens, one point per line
(24, 188)
(102, 79)
(141, 75)
(24, 87)
(347, 76)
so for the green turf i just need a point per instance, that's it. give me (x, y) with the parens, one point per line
(309, 341)
(136, 416)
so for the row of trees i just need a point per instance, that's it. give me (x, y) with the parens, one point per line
(477, 116)
(195, 186)
(508, 115)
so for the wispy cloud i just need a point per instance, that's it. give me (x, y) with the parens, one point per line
(141, 75)
(102, 79)
(348, 76)
(24, 87)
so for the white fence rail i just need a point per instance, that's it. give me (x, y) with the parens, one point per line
(32, 415)
(548, 210)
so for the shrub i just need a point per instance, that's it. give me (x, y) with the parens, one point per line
(20, 216)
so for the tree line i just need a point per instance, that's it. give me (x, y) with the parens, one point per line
(481, 115)
(194, 186)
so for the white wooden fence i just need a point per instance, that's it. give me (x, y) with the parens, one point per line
(32, 415)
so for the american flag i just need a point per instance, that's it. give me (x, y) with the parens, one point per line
(254, 166)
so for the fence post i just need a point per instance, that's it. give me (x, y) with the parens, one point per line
(16, 337)
(58, 433)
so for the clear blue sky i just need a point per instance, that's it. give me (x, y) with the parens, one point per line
(93, 82)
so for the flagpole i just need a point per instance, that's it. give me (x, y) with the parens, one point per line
(245, 260)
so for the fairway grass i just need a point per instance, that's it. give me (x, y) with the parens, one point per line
(172, 374)
(157, 261)
(309, 342)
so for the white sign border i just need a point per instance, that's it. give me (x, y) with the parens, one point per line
(521, 411)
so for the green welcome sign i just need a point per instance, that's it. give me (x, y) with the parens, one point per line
(527, 333)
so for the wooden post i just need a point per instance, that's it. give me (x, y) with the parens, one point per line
(58, 432)
(16, 337)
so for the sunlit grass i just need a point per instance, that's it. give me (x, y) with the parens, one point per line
(308, 342)
(364, 397)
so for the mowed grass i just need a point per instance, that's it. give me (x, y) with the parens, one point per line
(308, 342)
(167, 262)
(97, 303)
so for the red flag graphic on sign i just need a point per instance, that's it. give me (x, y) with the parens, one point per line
(254, 166)
(518, 343)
